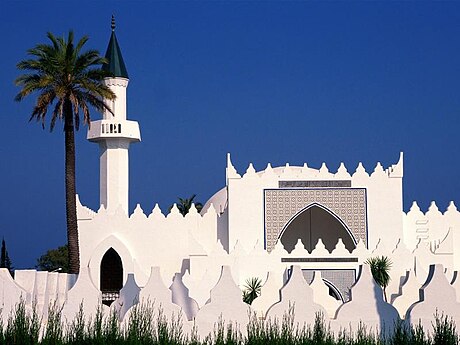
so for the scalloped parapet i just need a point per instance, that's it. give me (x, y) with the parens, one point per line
(321, 295)
(366, 306)
(360, 172)
(83, 212)
(129, 296)
(378, 171)
(397, 170)
(83, 294)
(224, 304)
(296, 294)
(174, 213)
(408, 294)
(181, 297)
(451, 208)
(230, 170)
(436, 296)
(433, 210)
(250, 172)
(269, 173)
(138, 213)
(342, 172)
(324, 172)
(156, 213)
(269, 294)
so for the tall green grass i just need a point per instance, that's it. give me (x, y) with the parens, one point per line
(149, 325)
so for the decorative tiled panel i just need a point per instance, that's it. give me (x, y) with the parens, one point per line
(341, 279)
(281, 205)
(315, 184)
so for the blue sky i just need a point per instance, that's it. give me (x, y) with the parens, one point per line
(267, 81)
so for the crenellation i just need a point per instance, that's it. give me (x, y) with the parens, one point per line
(138, 213)
(342, 172)
(360, 172)
(250, 171)
(230, 171)
(378, 171)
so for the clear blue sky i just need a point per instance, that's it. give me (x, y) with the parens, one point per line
(267, 81)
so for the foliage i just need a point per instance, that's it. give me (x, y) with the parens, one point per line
(184, 205)
(380, 268)
(147, 324)
(5, 261)
(54, 260)
(444, 330)
(252, 289)
(23, 327)
(60, 72)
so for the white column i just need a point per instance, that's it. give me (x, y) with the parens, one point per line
(114, 173)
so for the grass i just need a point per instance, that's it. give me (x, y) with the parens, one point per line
(148, 325)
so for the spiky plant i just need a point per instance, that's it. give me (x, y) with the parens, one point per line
(380, 268)
(185, 204)
(252, 289)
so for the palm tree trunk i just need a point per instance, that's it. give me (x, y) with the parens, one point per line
(70, 190)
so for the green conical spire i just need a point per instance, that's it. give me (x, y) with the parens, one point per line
(116, 65)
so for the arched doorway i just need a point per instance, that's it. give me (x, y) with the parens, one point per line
(313, 223)
(111, 276)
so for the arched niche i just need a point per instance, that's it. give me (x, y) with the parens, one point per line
(94, 262)
(111, 276)
(313, 223)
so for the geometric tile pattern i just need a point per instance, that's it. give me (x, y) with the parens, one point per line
(341, 279)
(281, 205)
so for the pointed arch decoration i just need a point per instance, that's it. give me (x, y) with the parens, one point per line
(348, 205)
(122, 251)
(316, 222)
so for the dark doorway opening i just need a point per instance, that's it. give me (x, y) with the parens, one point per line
(312, 224)
(111, 276)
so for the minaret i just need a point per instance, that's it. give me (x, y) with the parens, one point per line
(114, 133)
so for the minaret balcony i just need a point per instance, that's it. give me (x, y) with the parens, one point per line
(117, 129)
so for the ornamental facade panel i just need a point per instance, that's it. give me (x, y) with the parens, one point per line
(282, 205)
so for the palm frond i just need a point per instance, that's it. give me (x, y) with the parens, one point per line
(73, 74)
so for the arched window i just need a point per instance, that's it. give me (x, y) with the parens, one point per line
(312, 224)
(111, 276)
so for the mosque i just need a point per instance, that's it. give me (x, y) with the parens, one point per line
(259, 222)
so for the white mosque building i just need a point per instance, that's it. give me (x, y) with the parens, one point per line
(259, 222)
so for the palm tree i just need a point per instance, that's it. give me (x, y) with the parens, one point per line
(61, 72)
(380, 268)
(184, 205)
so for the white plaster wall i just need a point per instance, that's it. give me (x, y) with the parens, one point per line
(143, 241)
(246, 208)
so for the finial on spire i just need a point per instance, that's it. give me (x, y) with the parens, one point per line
(113, 23)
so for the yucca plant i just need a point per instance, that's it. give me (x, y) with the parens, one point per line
(252, 289)
(380, 268)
